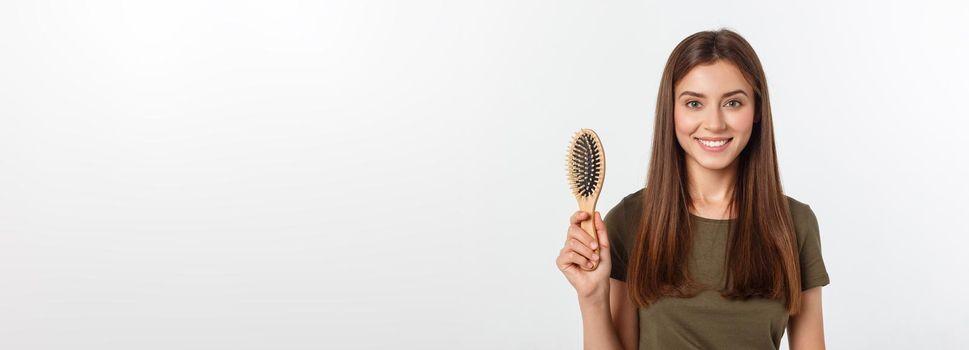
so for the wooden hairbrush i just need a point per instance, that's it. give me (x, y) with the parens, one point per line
(585, 164)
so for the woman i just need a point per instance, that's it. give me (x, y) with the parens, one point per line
(710, 254)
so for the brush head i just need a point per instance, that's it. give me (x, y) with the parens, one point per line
(585, 164)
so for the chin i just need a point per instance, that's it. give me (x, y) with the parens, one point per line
(720, 167)
(717, 164)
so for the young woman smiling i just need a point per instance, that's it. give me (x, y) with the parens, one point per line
(710, 253)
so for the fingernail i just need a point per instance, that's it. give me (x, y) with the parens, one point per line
(588, 264)
(595, 245)
(595, 257)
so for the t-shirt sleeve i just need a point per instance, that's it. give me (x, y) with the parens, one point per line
(615, 221)
(813, 272)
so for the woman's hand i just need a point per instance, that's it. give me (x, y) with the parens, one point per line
(578, 252)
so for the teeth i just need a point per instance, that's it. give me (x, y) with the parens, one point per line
(713, 143)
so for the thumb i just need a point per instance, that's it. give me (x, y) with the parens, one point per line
(605, 252)
(601, 232)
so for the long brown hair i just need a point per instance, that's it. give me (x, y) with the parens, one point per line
(762, 257)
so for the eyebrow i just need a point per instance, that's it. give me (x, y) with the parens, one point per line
(697, 94)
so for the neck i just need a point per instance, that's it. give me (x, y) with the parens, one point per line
(710, 186)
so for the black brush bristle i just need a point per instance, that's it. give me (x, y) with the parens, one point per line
(584, 165)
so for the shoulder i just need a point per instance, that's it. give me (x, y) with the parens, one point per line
(800, 211)
(628, 207)
(634, 199)
(805, 221)
(626, 202)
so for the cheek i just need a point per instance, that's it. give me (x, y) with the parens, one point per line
(683, 125)
(684, 128)
(742, 121)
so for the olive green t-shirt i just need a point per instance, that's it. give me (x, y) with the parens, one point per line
(709, 321)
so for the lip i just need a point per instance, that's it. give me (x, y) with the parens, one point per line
(713, 149)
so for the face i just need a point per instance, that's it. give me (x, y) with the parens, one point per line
(713, 104)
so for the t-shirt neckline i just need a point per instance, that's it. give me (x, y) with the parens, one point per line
(714, 221)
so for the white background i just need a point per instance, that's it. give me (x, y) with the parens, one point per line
(389, 174)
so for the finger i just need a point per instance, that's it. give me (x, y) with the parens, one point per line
(578, 217)
(563, 264)
(576, 232)
(566, 261)
(582, 249)
(575, 258)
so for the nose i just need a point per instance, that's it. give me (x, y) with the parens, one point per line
(715, 121)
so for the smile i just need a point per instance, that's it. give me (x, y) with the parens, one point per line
(713, 146)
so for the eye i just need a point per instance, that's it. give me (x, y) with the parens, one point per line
(738, 103)
(690, 106)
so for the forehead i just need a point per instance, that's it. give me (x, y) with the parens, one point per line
(713, 79)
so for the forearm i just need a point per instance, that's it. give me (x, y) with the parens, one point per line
(598, 330)
(806, 329)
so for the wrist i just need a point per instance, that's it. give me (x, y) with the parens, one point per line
(594, 305)
(598, 297)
